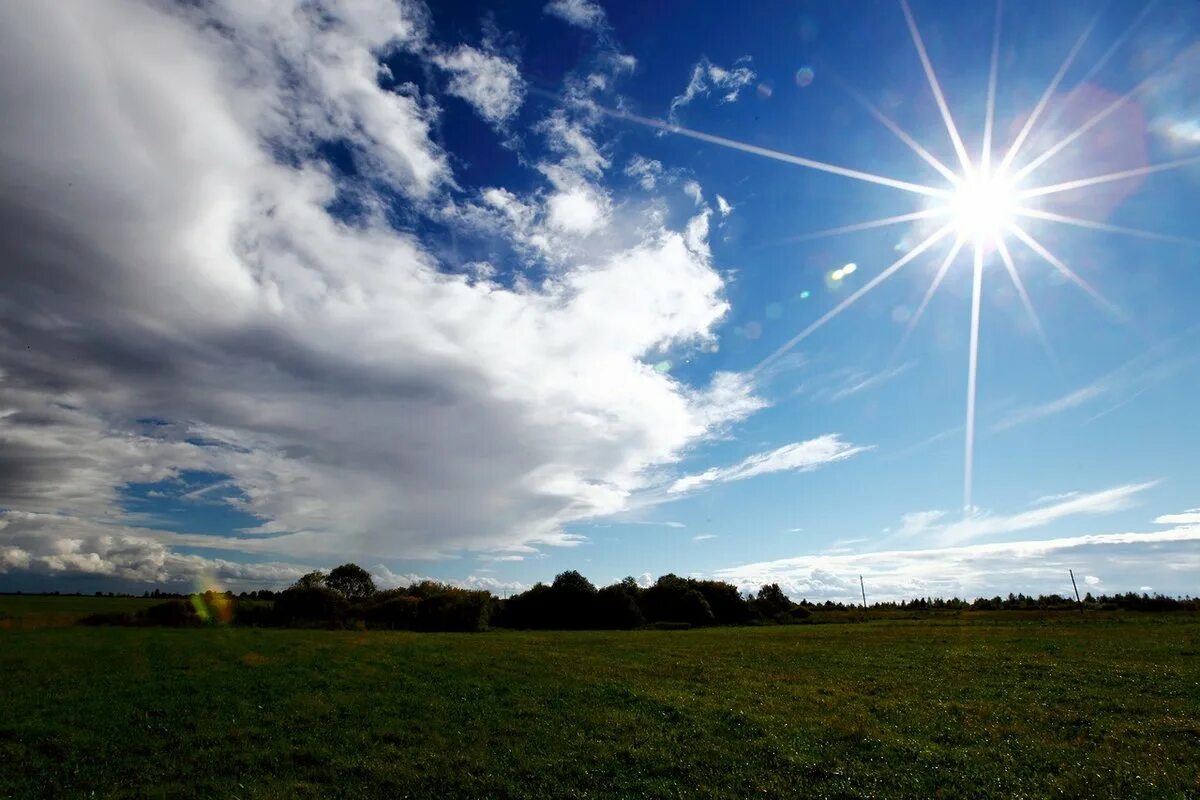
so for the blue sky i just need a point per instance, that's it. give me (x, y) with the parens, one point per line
(485, 292)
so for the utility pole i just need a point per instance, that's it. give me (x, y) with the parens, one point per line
(863, 587)
(1076, 587)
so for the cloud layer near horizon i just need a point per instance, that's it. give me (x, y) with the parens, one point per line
(983, 570)
(182, 293)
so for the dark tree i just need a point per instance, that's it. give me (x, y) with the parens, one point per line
(307, 605)
(771, 600)
(351, 581)
(310, 581)
(630, 585)
(572, 582)
(617, 608)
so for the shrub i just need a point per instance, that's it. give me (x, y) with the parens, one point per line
(398, 612)
(672, 599)
(172, 614)
(308, 605)
(454, 610)
(727, 604)
(256, 614)
(615, 608)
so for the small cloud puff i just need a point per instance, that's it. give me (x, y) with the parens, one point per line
(491, 84)
(708, 77)
(580, 13)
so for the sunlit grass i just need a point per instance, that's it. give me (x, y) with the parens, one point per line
(984, 706)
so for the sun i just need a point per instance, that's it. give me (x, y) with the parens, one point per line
(983, 207)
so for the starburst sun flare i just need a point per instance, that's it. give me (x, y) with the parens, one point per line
(983, 203)
(983, 206)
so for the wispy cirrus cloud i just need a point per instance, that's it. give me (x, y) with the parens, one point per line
(491, 83)
(797, 456)
(1128, 381)
(707, 78)
(1050, 509)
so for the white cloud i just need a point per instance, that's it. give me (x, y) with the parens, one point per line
(798, 456)
(848, 382)
(1189, 517)
(981, 524)
(647, 171)
(917, 522)
(386, 579)
(368, 396)
(704, 537)
(578, 209)
(707, 77)
(723, 206)
(581, 13)
(1032, 567)
(79, 547)
(1091, 580)
(1129, 379)
(490, 83)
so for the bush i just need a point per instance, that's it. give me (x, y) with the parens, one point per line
(172, 614)
(616, 609)
(454, 610)
(315, 604)
(727, 604)
(530, 609)
(255, 614)
(672, 599)
(398, 612)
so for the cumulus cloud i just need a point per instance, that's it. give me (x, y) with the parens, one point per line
(490, 83)
(707, 78)
(187, 266)
(581, 13)
(798, 456)
(52, 545)
(384, 578)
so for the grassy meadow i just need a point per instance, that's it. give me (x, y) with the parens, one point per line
(976, 705)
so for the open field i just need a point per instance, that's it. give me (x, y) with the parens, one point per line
(47, 611)
(993, 706)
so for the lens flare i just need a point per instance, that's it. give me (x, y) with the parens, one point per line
(983, 201)
(210, 601)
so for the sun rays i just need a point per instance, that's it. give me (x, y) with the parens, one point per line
(982, 204)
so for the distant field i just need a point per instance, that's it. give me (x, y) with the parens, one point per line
(991, 707)
(43, 611)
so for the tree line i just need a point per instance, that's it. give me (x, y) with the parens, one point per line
(346, 596)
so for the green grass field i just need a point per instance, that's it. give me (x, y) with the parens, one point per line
(989, 706)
